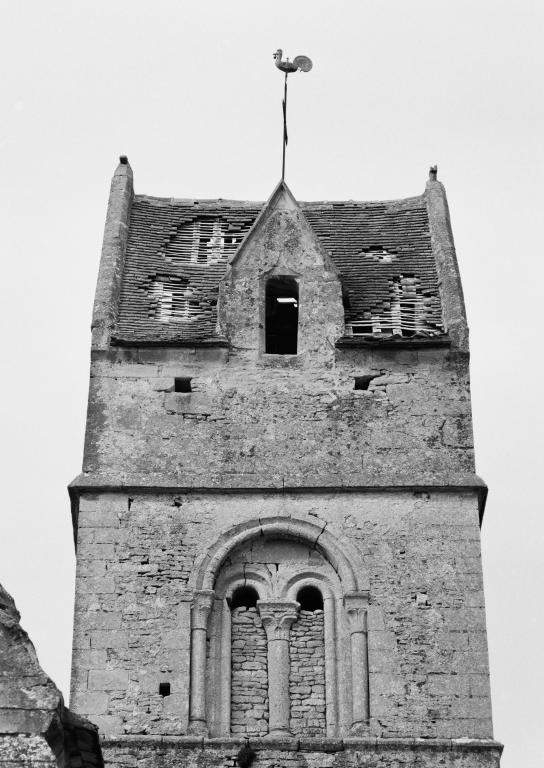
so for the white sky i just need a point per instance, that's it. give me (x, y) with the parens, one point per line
(190, 93)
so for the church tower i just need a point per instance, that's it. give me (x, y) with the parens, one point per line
(277, 522)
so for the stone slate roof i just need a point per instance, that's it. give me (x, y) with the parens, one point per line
(177, 253)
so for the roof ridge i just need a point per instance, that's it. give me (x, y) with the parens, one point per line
(261, 203)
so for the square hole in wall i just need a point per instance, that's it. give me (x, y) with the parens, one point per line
(362, 382)
(182, 384)
(164, 689)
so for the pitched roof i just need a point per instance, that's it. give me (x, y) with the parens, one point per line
(177, 253)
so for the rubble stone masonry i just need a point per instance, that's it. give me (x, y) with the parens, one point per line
(249, 700)
(307, 674)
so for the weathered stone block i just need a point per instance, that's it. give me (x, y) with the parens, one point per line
(109, 638)
(108, 679)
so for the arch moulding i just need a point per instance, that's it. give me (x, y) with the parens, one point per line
(344, 559)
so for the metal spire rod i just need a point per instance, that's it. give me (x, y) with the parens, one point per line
(302, 63)
(285, 139)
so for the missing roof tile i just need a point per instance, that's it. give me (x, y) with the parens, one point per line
(379, 254)
(204, 240)
(172, 298)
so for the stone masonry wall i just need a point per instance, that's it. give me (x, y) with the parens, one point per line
(254, 418)
(307, 674)
(249, 691)
(427, 643)
(277, 420)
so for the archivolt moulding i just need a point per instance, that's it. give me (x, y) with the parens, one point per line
(344, 559)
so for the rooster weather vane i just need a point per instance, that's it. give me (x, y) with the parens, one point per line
(302, 63)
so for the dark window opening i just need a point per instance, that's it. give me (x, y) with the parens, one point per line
(244, 597)
(362, 382)
(281, 316)
(182, 384)
(310, 599)
(164, 689)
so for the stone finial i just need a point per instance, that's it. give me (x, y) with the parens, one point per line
(433, 173)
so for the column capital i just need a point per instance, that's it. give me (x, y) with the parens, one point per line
(356, 605)
(277, 617)
(202, 604)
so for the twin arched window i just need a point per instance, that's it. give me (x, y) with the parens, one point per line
(275, 665)
(250, 669)
(279, 640)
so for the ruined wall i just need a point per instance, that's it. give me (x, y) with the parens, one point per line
(307, 674)
(249, 708)
(426, 625)
(36, 729)
(272, 421)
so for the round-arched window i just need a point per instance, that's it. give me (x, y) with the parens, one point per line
(245, 597)
(310, 599)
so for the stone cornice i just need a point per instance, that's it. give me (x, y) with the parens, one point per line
(367, 744)
(86, 483)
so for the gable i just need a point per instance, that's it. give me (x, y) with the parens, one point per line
(281, 260)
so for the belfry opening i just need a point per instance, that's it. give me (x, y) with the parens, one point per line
(281, 315)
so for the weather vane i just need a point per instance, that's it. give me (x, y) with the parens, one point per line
(302, 63)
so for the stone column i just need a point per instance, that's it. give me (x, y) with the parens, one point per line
(356, 604)
(331, 663)
(200, 612)
(277, 617)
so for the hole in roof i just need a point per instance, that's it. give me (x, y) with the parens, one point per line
(205, 240)
(171, 298)
(378, 254)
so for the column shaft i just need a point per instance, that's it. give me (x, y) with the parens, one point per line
(278, 687)
(356, 604)
(277, 617)
(200, 612)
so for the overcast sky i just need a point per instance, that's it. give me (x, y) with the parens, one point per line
(189, 92)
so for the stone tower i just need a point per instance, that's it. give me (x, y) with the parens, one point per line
(277, 523)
